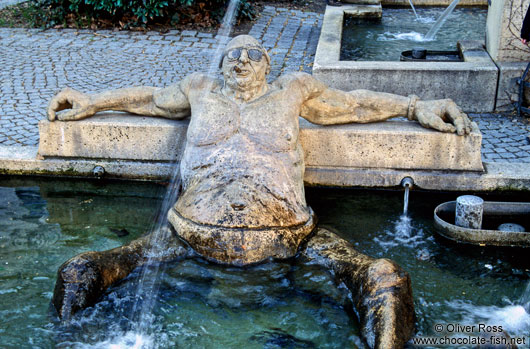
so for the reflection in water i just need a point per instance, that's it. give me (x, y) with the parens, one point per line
(20, 222)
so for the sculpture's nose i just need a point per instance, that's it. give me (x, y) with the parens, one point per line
(244, 56)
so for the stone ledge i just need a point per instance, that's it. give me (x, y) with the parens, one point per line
(390, 144)
(113, 136)
(497, 176)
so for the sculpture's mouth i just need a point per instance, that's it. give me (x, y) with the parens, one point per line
(241, 71)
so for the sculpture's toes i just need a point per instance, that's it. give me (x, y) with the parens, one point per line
(388, 305)
(79, 285)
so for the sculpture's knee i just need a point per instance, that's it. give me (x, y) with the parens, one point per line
(387, 305)
(384, 274)
(79, 285)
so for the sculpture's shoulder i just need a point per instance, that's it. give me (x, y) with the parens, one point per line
(199, 81)
(309, 86)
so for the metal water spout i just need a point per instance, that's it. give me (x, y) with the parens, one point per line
(406, 183)
(98, 171)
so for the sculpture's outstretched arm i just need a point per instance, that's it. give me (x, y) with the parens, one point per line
(169, 102)
(380, 289)
(84, 278)
(328, 106)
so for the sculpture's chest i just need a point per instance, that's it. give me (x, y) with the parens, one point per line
(270, 121)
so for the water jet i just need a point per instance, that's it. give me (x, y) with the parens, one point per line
(406, 183)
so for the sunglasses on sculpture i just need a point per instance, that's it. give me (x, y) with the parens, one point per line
(253, 54)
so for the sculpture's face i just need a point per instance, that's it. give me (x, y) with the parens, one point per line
(245, 67)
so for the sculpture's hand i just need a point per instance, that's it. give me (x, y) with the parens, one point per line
(442, 115)
(78, 103)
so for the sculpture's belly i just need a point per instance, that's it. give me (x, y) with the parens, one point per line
(242, 204)
(241, 246)
(237, 184)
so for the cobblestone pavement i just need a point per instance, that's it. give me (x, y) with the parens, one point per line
(34, 65)
(504, 139)
(5, 3)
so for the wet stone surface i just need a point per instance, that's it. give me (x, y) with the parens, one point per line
(35, 64)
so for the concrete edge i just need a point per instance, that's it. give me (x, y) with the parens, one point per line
(327, 52)
(507, 87)
(25, 161)
(497, 176)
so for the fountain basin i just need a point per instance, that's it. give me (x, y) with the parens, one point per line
(49, 220)
(472, 84)
(399, 29)
(495, 213)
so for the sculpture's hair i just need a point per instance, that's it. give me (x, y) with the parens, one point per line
(245, 41)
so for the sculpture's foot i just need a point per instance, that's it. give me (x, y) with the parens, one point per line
(84, 278)
(380, 289)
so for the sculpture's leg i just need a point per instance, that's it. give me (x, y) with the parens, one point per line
(380, 289)
(84, 278)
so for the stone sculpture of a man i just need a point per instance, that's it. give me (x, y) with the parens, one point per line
(242, 171)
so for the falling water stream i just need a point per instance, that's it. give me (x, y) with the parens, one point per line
(149, 281)
(406, 200)
(525, 299)
(414, 9)
(434, 29)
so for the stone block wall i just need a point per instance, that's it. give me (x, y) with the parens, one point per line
(503, 31)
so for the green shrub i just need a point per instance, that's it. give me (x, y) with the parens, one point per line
(136, 12)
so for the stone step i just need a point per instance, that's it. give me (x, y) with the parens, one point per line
(390, 144)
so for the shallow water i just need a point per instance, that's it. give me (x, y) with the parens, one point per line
(273, 305)
(399, 30)
(452, 283)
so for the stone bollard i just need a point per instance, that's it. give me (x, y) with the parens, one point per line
(469, 210)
